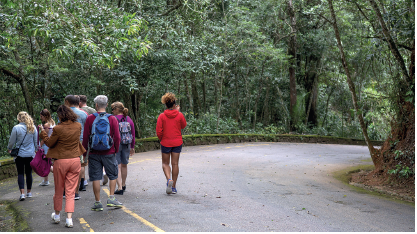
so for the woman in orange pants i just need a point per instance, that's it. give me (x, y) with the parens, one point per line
(65, 147)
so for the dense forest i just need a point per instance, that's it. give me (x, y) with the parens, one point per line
(339, 68)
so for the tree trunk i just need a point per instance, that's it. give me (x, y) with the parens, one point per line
(293, 54)
(22, 81)
(327, 107)
(377, 159)
(313, 94)
(204, 94)
(255, 108)
(391, 43)
(196, 101)
(187, 92)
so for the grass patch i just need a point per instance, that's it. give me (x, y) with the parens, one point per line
(11, 219)
(345, 176)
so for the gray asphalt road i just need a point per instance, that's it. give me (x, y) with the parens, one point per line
(234, 188)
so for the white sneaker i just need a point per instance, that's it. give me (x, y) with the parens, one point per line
(22, 197)
(85, 183)
(68, 223)
(56, 220)
(43, 183)
(28, 194)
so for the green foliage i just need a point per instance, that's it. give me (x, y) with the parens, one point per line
(402, 171)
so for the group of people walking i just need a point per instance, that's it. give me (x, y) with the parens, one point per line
(86, 136)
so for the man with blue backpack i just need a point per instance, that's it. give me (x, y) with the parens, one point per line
(102, 140)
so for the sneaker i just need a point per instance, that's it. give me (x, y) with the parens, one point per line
(63, 194)
(97, 206)
(43, 183)
(82, 188)
(119, 192)
(68, 223)
(174, 190)
(22, 197)
(124, 188)
(113, 202)
(29, 195)
(85, 183)
(77, 197)
(169, 186)
(56, 220)
(105, 179)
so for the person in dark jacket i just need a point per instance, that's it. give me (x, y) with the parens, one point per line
(168, 130)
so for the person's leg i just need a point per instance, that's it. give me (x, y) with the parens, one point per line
(119, 178)
(28, 173)
(112, 171)
(111, 168)
(175, 157)
(80, 185)
(71, 181)
(20, 174)
(95, 173)
(124, 173)
(165, 165)
(59, 180)
(124, 161)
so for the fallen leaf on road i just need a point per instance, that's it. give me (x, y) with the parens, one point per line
(218, 197)
(112, 223)
(223, 224)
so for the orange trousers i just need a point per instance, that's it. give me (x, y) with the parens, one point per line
(66, 172)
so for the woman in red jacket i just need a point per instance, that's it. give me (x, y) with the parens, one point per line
(168, 130)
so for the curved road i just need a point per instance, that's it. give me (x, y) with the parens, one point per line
(234, 187)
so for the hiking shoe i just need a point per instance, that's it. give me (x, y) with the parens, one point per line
(113, 202)
(169, 186)
(119, 192)
(22, 197)
(174, 190)
(105, 179)
(55, 219)
(77, 197)
(29, 195)
(97, 206)
(68, 223)
(124, 188)
(85, 183)
(44, 183)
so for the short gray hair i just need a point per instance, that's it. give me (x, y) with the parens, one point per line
(101, 101)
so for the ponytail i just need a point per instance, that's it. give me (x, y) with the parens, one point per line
(120, 107)
(125, 111)
(25, 118)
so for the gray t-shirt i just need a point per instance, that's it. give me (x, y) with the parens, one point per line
(89, 110)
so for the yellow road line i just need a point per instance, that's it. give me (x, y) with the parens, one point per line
(85, 225)
(144, 221)
(139, 161)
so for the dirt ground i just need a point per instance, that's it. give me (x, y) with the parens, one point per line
(368, 180)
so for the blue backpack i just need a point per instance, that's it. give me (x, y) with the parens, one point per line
(100, 138)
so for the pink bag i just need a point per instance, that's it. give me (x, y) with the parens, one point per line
(40, 164)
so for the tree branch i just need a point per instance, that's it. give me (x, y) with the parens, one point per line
(10, 73)
(399, 45)
(172, 9)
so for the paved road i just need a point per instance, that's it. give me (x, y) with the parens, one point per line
(233, 187)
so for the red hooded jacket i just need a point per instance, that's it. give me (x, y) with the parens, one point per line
(168, 128)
